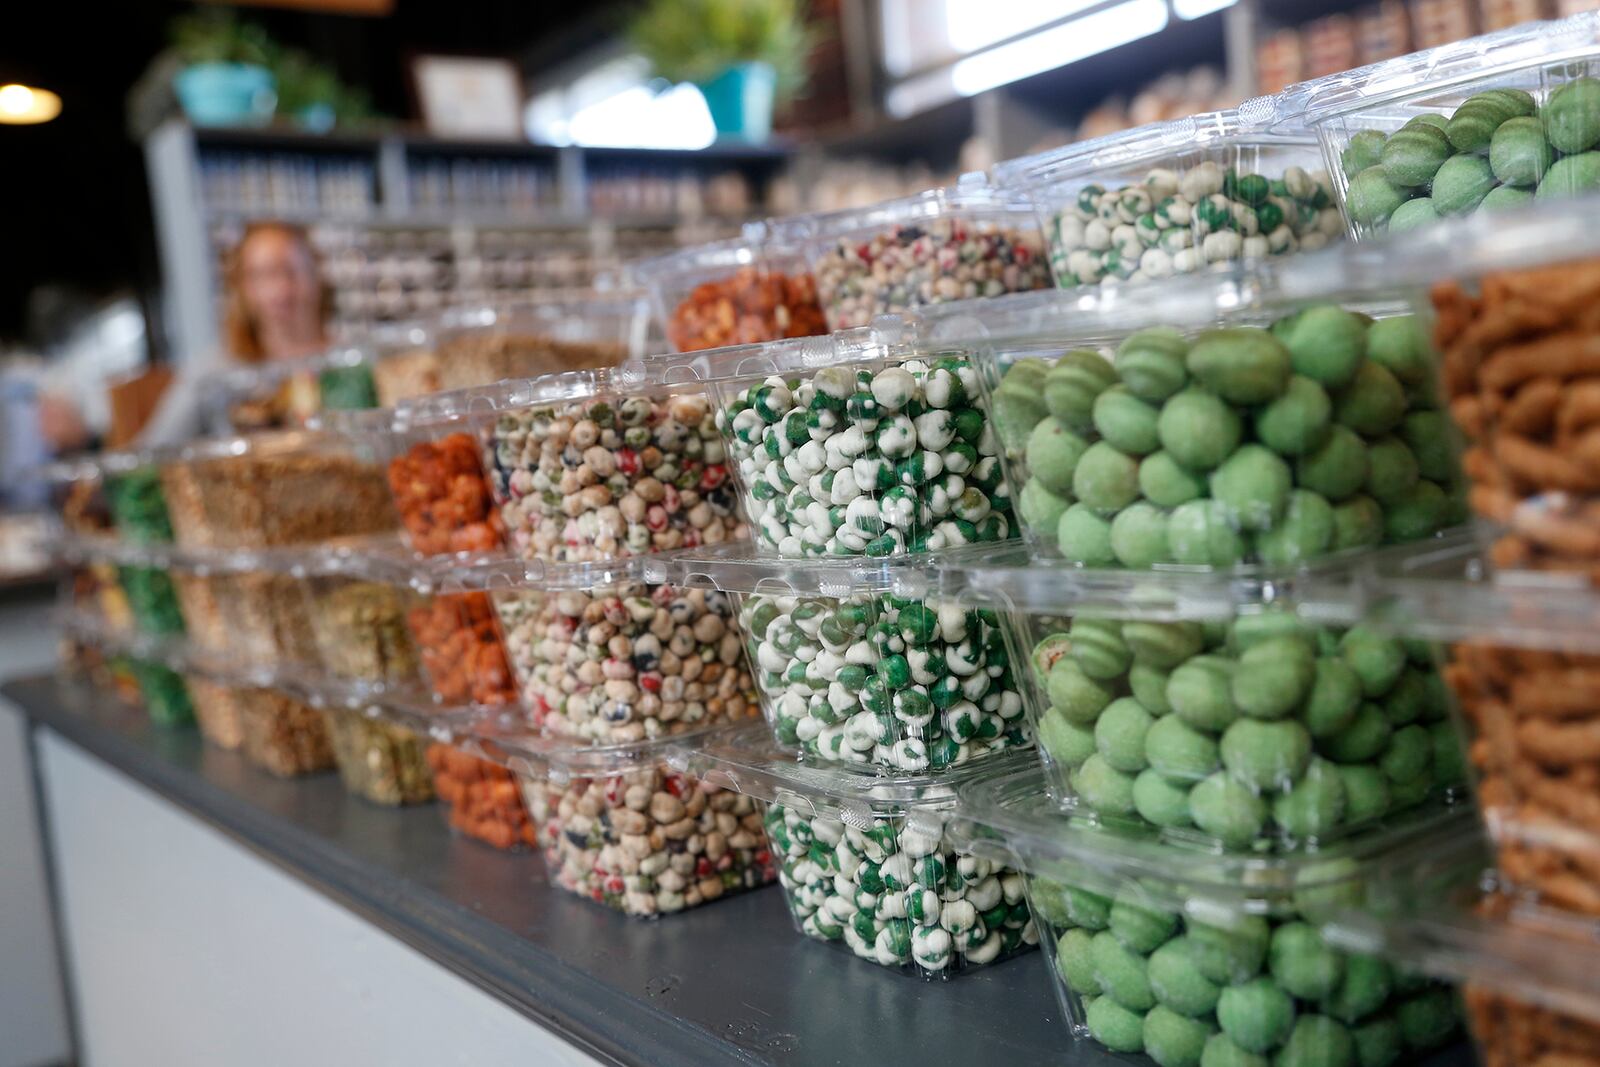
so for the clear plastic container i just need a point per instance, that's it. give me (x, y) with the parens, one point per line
(457, 638)
(620, 826)
(562, 331)
(152, 599)
(1174, 197)
(163, 694)
(852, 672)
(482, 799)
(360, 632)
(266, 618)
(1252, 415)
(866, 863)
(275, 489)
(282, 735)
(377, 760)
(1510, 116)
(939, 246)
(1249, 726)
(1192, 956)
(440, 491)
(133, 492)
(857, 445)
(600, 465)
(217, 711)
(735, 292)
(284, 394)
(405, 364)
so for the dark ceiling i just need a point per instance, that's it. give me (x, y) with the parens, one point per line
(76, 207)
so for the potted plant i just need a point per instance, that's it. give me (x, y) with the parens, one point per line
(743, 55)
(226, 78)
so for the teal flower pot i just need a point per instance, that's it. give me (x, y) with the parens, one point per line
(226, 94)
(740, 101)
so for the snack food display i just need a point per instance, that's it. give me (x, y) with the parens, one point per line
(620, 827)
(1192, 958)
(163, 694)
(458, 640)
(1480, 125)
(1174, 197)
(217, 711)
(590, 466)
(442, 497)
(1277, 437)
(1512, 1032)
(138, 508)
(483, 799)
(359, 629)
(282, 735)
(265, 616)
(847, 447)
(200, 596)
(377, 760)
(941, 246)
(151, 598)
(563, 331)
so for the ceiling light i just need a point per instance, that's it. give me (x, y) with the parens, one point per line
(23, 106)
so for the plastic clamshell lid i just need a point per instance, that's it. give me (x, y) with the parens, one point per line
(1011, 820)
(1438, 69)
(739, 567)
(355, 422)
(794, 355)
(971, 193)
(1149, 143)
(639, 377)
(1541, 234)
(730, 254)
(270, 443)
(749, 762)
(566, 314)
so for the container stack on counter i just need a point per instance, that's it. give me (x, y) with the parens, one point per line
(1220, 618)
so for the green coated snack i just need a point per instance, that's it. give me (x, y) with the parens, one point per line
(1519, 155)
(1073, 693)
(1105, 479)
(1336, 470)
(1167, 483)
(1313, 806)
(1392, 470)
(1273, 678)
(1220, 1051)
(1053, 452)
(1232, 953)
(1253, 487)
(1506, 198)
(1178, 983)
(1200, 532)
(1413, 155)
(1378, 660)
(1019, 404)
(1149, 685)
(1073, 383)
(1137, 926)
(1432, 440)
(1178, 751)
(1114, 1026)
(1163, 644)
(1364, 986)
(1265, 756)
(1075, 964)
(1126, 421)
(1198, 430)
(1084, 537)
(1257, 1015)
(1571, 176)
(1334, 699)
(1427, 1019)
(1150, 363)
(1372, 404)
(1400, 346)
(1357, 523)
(1419, 512)
(1200, 694)
(1317, 1041)
(1414, 215)
(1098, 647)
(1123, 974)
(1040, 507)
(1161, 801)
(1461, 184)
(1139, 536)
(1067, 742)
(1103, 787)
(1363, 740)
(1366, 791)
(1296, 422)
(1242, 365)
(1474, 123)
(1174, 1040)
(1449, 762)
(1227, 810)
(1364, 150)
(1572, 115)
(1326, 343)
(1119, 735)
(1303, 964)
(1378, 1042)
(1088, 910)
(1372, 197)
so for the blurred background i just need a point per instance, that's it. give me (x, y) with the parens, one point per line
(416, 155)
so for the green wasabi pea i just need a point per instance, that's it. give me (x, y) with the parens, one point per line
(1326, 889)
(1400, 346)
(1314, 806)
(1427, 1019)
(1378, 1042)
(1366, 793)
(1506, 198)
(1229, 952)
(1433, 441)
(1572, 115)
(1098, 647)
(1273, 677)
(1372, 404)
(1303, 963)
(1413, 155)
(1119, 735)
(1201, 532)
(1047, 899)
(1019, 402)
(1162, 644)
(1361, 741)
(1160, 801)
(1252, 485)
(1336, 470)
(1461, 184)
(1050, 648)
(1571, 176)
(1357, 523)
(1409, 755)
(1325, 343)
(1139, 927)
(1242, 365)
(1123, 974)
(1265, 755)
(1106, 479)
(1198, 430)
(1114, 1026)
(1088, 910)
(1391, 470)
(1070, 387)
(1178, 983)
(1449, 762)
(1363, 988)
(1052, 454)
(1257, 1015)
(1428, 119)
(1404, 703)
(1127, 422)
(1066, 742)
(1174, 1040)
(1077, 696)
(1227, 810)
(1084, 537)
(1364, 150)
(1149, 685)
(1371, 197)
(1519, 155)
(1074, 963)
(1220, 1051)
(1040, 508)
(1247, 631)
(1304, 533)
(1139, 536)
(1413, 215)
(1334, 699)
(1296, 422)
(1474, 123)
(1199, 692)
(1150, 363)
(1166, 483)
(1377, 659)
(1104, 788)
(1417, 514)
(1178, 751)
(1317, 1041)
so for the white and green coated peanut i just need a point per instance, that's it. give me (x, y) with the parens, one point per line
(898, 893)
(905, 684)
(869, 462)
(1173, 223)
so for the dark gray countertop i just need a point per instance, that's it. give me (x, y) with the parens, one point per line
(728, 983)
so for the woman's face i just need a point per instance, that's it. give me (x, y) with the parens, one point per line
(278, 280)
